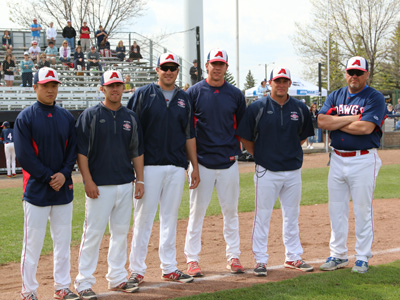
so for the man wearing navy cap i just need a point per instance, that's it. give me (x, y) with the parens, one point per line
(273, 130)
(354, 114)
(218, 108)
(109, 141)
(45, 145)
(7, 138)
(169, 142)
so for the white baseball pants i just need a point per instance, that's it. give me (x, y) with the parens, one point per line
(353, 177)
(226, 182)
(268, 187)
(60, 217)
(113, 206)
(164, 185)
(10, 158)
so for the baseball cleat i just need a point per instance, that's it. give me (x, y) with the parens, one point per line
(65, 294)
(360, 267)
(235, 266)
(87, 295)
(298, 265)
(333, 263)
(261, 269)
(31, 296)
(136, 278)
(194, 269)
(178, 276)
(126, 287)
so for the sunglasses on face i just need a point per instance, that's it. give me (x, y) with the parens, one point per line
(171, 68)
(358, 73)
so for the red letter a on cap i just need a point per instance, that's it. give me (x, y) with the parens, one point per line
(357, 62)
(170, 57)
(114, 75)
(50, 73)
(219, 54)
(282, 71)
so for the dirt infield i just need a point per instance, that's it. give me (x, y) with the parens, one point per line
(314, 239)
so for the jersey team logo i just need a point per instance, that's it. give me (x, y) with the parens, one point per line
(181, 103)
(294, 116)
(127, 126)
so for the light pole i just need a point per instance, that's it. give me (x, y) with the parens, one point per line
(266, 69)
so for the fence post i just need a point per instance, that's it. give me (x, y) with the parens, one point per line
(151, 53)
(180, 73)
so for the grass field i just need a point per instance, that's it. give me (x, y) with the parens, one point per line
(314, 192)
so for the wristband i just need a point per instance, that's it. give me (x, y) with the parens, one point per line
(137, 181)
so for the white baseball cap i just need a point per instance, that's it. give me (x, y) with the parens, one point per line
(217, 55)
(110, 77)
(45, 75)
(168, 58)
(280, 72)
(26, 53)
(357, 63)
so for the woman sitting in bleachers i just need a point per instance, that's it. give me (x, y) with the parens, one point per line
(7, 41)
(65, 52)
(79, 58)
(120, 50)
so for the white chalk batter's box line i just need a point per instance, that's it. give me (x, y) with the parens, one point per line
(216, 277)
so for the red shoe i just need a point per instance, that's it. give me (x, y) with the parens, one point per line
(14, 175)
(235, 266)
(194, 269)
(298, 265)
(177, 276)
(9, 176)
(136, 278)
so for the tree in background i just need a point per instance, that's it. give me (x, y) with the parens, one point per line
(358, 27)
(111, 14)
(229, 78)
(250, 81)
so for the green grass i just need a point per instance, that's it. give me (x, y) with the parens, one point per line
(381, 282)
(314, 192)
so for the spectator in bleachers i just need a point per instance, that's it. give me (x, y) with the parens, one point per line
(186, 87)
(35, 31)
(51, 34)
(8, 69)
(128, 87)
(79, 58)
(69, 34)
(9, 51)
(43, 62)
(100, 35)
(104, 48)
(65, 52)
(7, 41)
(34, 52)
(135, 52)
(85, 37)
(93, 59)
(397, 107)
(26, 67)
(120, 50)
(51, 52)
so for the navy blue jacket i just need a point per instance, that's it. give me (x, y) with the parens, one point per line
(45, 144)
(370, 104)
(217, 111)
(7, 135)
(277, 131)
(165, 127)
(109, 139)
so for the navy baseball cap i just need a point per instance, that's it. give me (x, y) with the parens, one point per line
(357, 63)
(5, 124)
(110, 77)
(45, 75)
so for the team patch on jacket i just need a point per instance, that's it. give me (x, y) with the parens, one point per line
(181, 103)
(127, 126)
(294, 116)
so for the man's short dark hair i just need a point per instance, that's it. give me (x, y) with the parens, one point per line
(195, 61)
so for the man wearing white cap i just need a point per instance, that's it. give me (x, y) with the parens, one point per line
(45, 145)
(218, 109)
(109, 141)
(169, 142)
(69, 34)
(273, 130)
(354, 114)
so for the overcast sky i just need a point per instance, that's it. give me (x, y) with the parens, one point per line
(265, 30)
